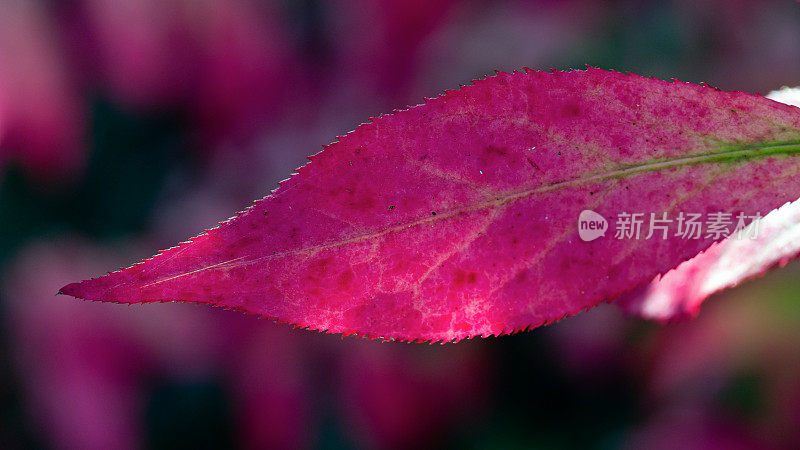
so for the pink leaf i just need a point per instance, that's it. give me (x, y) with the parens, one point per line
(680, 292)
(458, 217)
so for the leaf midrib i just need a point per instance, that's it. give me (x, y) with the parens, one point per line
(731, 154)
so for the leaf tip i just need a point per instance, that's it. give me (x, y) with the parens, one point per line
(72, 289)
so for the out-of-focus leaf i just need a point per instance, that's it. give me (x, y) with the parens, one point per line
(41, 116)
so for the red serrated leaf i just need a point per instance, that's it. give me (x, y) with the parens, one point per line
(458, 217)
(772, 242)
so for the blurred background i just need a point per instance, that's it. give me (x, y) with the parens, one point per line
(127, 126)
